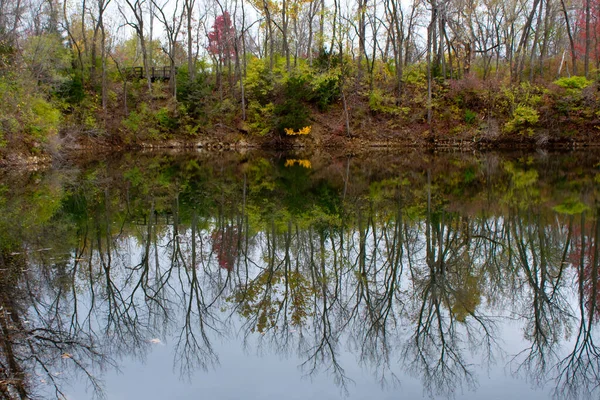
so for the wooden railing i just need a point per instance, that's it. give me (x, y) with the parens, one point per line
(156, 73)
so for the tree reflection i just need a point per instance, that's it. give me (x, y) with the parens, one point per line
(413, 271)
(579, 372)
(446, 291)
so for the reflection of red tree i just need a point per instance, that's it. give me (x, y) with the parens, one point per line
(591, 284)
(225, 245)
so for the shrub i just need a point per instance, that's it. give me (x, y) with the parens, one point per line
(25, 115)
(194, 95)
(414, 76)
(165, 120)
(468, 92)
(524, 117)
(573, 82)
(260, 117)
(291, 111)
(470, 116)
(570, 100)
(382, 103)
(326, 89)
(259, 81)
(43, 119)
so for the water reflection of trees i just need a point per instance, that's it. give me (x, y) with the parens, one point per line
(390, 268)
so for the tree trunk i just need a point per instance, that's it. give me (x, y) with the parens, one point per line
(588, 40)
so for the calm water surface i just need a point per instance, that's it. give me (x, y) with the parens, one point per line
(270, 276)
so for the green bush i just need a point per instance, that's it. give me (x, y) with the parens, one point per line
(42, 119)
(470, 116)
(71, 90)
(379, 102)
(133, 122)
(570, 100)
(523, 119)
(259, 81)
(25, 115)
(291, 112)
(573, 82)
(165, 120)
(260, 117)
(414, 76)
(325, 89)
(195, 95)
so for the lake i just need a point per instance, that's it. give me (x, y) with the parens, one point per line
(296, 276)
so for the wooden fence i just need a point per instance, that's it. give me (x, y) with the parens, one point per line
(156, 73)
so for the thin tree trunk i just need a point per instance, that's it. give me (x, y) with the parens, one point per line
(588, 40)
(570, 34)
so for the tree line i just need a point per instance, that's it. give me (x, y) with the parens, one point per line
(82, 49)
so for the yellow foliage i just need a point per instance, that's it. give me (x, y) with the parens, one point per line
(302, 163)
(304, 131)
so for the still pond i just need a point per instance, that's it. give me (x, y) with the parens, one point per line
(273, 276)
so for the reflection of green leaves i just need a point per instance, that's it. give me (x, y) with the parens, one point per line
(384, 189)
(519, 177)
(134, 176)
(260, 176)
(45, 202)
(469, 175)
(523, 190)
(466, 298)
(262, 299)
(571, 206)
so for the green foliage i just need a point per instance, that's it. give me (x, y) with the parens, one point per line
(47, 59)
(573, 82)
(470, 116)
(260, 117)
(134, 120)
(414, 76)
(42, 119)
(291, 112)
(71, 90)
(194, 95)
(144, 124)
(278, 100)
(325, 88)
(326, 61)
(292, 115)
(523, 95)
(380, 102)
(570, 101)
(165, 120)
(524, 117)
(259, 81)
(26, 117)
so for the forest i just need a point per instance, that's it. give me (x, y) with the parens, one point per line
(296, 73)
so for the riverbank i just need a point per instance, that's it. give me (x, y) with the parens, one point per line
(464, 115)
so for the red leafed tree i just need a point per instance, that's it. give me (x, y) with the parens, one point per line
(221, 37)
(594, 31)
